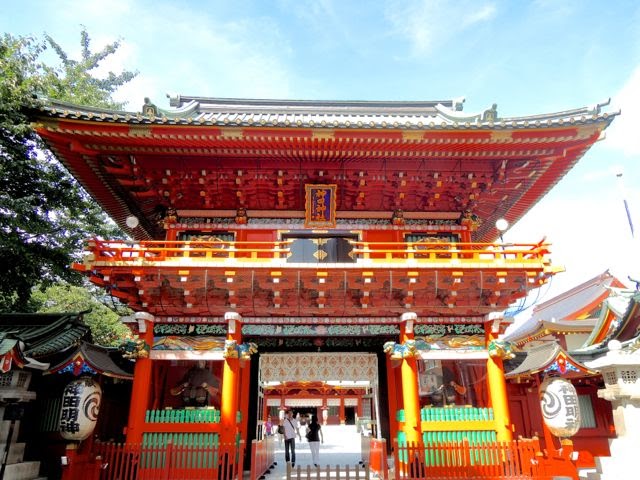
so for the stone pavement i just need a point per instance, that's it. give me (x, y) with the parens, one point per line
(341, 447)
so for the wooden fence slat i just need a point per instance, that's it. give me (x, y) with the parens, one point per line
(174, 457)
(446, 458)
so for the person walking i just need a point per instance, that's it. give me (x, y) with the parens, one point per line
(268, 427)
(315, 437)
(291, 431)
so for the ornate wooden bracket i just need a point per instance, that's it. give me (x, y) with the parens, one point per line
(500, 349)
(134, 348)
(399, 351)
(241, 351)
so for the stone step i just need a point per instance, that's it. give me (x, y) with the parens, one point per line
(22, 471)
(16, 452)
(4, 431)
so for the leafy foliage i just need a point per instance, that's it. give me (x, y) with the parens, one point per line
(104, 323)
(44, 213)
(72, 80)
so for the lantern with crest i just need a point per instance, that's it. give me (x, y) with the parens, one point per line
(560, 407)
(80, 406)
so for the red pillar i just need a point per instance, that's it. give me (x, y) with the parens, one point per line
(497, 386)
(410, 394)
(245, 391)
(230, 383)
(141, 389)
(265, 408)
(392, 397)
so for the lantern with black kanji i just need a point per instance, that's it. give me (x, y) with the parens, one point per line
(80, 406)
(560, 407)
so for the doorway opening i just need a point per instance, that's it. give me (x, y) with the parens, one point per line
(349, 415)
(340, 389)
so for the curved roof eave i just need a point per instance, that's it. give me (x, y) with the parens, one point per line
(343, 115)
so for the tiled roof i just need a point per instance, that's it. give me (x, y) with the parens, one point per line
(101, 359)
(231, 112)
(42, 333)
(619, 319)
(565, 308)
(540, 357)
(532, 330)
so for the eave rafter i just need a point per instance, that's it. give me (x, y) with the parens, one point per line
(491, 167)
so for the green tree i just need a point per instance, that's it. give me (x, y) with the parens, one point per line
(73, 82)
(44, 213)
(104, 323)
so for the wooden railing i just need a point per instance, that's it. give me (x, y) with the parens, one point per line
(168, 425)
(199, 415)
(438, 251)
(457, 424)
(263, 456)
(159, 250)
(457, 460)
(170, 462)
(142, 252)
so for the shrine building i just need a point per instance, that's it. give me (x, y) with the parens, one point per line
(339, 258)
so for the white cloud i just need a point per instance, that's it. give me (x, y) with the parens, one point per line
(428, 23)
(623, 134)
(556, 9)
(196, 53)
(584, 216)
(486, 12)
(589, 234)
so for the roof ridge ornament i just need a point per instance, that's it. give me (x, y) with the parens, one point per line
(597, 108)
(456, 114)
(149, 109)
(458, 103)
(491, 114)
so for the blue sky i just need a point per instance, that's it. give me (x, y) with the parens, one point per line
(528, 57)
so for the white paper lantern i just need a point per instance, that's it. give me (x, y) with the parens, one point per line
(560, 407)
(132, 221)
(80, 407)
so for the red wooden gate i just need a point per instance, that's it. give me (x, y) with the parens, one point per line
(458, 460)
(170, 462)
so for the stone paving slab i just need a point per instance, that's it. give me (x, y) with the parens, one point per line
(341, 447)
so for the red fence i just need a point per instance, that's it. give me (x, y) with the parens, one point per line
(263, 455)
(495, 461)
(170, 462)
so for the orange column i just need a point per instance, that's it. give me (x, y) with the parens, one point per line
(392, 398)
(410, 394)
(265, 409)
(230, 383)
(245, 369)
(141, 389)
(497, 386)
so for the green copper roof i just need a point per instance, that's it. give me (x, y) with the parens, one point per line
(41, 334)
